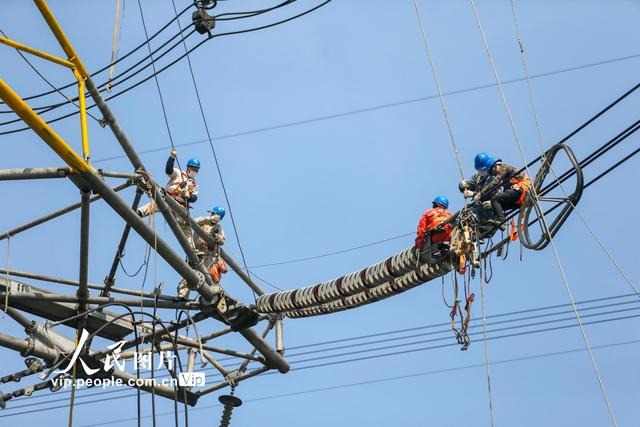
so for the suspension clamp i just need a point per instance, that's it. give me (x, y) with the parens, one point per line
(203, 22)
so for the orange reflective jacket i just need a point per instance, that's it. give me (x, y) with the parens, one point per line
(431, 219)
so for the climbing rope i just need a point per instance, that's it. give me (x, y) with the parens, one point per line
(73, 385)
(438, 88)
(542, 217)
(213, 151)
(117, 35)
(486, 350)
(164, 113)
(8, 288)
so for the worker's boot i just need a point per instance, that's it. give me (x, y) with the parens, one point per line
(501, 224)
(426, 254)
(439, 252)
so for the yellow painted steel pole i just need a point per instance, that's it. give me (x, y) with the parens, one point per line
(61, 37)
(84, 130)
(36, 52)
(43, 130)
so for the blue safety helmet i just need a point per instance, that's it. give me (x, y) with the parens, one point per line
(441, 201)
(480, 161)
(490, 162)
(218, 210)
(194, 163)
(484, 162)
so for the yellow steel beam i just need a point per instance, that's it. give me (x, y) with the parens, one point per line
(84, 130)
(43, 130)
(61, 37)
(36, 52)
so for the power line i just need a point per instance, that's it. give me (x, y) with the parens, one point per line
(359, 359)
(47, 108)
(448, 337)
(446, 331)
(250, 14)
(536, 120)
(102, 87)
(290, 261)
(95, 73)
(33, 67)
(584, 163)
(373, 108)
(493, 316)
(176, 60)
(389, 379)
(141, 45)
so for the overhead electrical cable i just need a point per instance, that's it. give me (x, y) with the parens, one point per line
(176, 60)
(536, 119)
(388, 379)
(610, 304)
(348, 113)
(105, 68)
(361, 358)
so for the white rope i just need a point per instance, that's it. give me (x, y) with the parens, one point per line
(440, 96)
(543, 149)
(486, 349)
(117, 36)
(543, 219)
(8, 286)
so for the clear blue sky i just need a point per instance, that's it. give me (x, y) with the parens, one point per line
(304, 189)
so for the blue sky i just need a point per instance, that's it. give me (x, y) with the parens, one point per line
(316, 159)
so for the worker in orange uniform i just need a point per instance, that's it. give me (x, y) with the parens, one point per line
(438, 240)
(514, 186)
(210, 256)
(182, 187)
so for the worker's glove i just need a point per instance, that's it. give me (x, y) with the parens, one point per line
(464, 185)
(476, 198)
(185, 193)
(173, 153)
(468, 193)
(486, 204)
